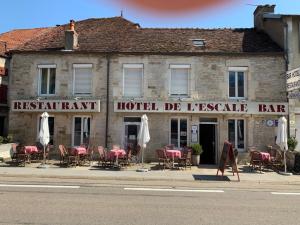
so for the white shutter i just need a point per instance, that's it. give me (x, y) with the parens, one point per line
(179, 81)
(133, 78)
(83, 81)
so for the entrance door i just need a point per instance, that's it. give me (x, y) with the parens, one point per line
(132, 127)
(208, 141)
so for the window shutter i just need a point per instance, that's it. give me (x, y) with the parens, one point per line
(133, 82)
(179, 81)
(83, 81)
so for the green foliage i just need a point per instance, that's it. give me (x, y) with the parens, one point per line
(197, 149)
(292, 143)
(8, 139)
(1, 139)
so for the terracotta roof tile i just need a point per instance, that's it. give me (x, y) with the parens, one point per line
(120, 35)
(15, 38)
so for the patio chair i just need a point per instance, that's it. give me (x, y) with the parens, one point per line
(90, 154)
(14, 152)
(70, 159)
(162, 158)
(21, 156)
(103, 160)
(186, 159)
(256, 160)
(276, 162)
(135, 154)
(125, 160)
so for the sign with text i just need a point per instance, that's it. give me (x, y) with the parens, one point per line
(55, 105)
(293, 79)
(270, 108)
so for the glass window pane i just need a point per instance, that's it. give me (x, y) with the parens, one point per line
(231, 131)
(44, 78)
(240, 134)
(183, 133)
(133, 78)
(77, 131)
(179, 81)
(52, 81)
(174, 132)
(86, 130)
(241, 84)
(232, 84)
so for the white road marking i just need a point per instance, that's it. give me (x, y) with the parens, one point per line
(38, 186)
(284, 193)
(173, 190)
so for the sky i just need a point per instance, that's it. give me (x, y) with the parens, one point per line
(20, 14)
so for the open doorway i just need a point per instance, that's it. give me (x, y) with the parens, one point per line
(131, 130)
(208, 140)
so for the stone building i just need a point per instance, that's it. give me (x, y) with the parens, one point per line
(284, 29)
(9, 41)
(97, 77)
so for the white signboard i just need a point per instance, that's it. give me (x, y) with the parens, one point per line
(55, 105)
(293, 79)
(270, 108)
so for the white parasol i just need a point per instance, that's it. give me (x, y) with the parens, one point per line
(44, 134)
(143, 137)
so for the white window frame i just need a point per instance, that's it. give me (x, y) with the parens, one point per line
(45, 66)
(180, 66)
(236, 132)
(236, 70)
(81, 132)
(83, 65)
(178, 127)
(133, 66)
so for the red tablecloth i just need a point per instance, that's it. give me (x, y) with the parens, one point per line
(173, 153)
(116, 153)
(266, 157)
(77, 150)
(30, 149)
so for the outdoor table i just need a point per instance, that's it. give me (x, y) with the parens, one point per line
(265, 157)
(30, 149)
(78, 150)
(173, 154)
(115, 154)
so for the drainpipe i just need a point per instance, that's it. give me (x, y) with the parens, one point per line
(286, 58)
(107, 98)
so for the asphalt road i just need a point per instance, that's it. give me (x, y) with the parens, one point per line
(58, 203)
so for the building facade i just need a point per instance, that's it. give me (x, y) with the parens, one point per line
(284, 29)
(196, 86)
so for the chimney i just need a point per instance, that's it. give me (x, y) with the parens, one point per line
(71, 37)
(259, 13)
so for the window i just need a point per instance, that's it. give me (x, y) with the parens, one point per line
(237, 83)
(82, 81)
(47, 74)
(236, 133)
(51, 128)
(179, 132)
(179, 84)
(81, 130)
(132, 80)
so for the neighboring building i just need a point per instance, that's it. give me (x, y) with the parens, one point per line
(97, 77)
(9, 41)
(284, 29)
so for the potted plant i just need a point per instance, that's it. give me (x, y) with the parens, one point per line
(196, 152)
(292, 143)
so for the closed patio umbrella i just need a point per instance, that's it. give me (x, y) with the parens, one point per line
(143, 138)
(281, 139)
(44, 134)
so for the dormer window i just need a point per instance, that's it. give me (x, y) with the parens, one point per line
(198, 42)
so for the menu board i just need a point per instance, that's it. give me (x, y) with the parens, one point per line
(228, 157)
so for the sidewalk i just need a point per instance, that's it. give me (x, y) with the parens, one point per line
(202, 174)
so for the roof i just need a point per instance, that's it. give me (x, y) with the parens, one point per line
(13, 39)
(116, 34)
